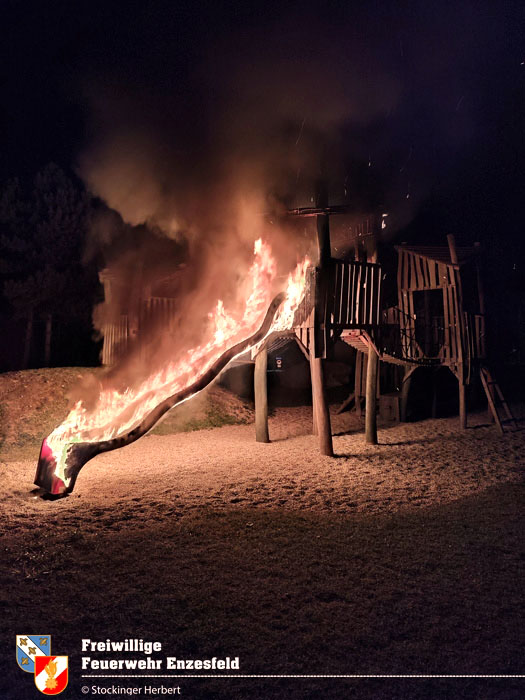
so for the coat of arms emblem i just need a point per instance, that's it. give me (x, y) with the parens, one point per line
(29, 647)
(51, 674)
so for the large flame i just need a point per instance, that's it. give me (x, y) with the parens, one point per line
(117, 412)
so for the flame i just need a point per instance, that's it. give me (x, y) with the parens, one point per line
(117, 412)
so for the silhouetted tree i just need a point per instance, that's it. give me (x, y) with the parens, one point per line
(42, 238)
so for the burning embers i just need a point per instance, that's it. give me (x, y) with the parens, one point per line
(120, 418)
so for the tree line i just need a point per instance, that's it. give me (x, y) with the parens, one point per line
(44, 278)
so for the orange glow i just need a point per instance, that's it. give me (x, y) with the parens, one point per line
(117, 412)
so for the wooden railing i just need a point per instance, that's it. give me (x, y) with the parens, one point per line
(343, 295)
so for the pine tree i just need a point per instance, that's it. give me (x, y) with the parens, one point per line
(42, 238)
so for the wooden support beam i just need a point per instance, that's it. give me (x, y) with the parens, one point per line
(452, 248)
(261, 396)
(405, 390)
(462, 403)
(371, 370)
(491, 401)
(371, 397)
(321, 411)
(359, 359)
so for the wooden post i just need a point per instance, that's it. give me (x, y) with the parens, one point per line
(359, 358)
(459, 335)
(405, 389)
(315, 429)
(371, 373)
(321, 412)
(261, 396)
(462, 401)
(452, 248)
(371, 397)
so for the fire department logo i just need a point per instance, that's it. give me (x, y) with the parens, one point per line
(51, 674)
(29, 647)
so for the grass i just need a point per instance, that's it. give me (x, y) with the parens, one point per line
(214, 417)
(34, 402)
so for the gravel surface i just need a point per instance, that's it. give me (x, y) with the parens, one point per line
(415, 465)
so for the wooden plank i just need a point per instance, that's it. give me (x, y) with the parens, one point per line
(453, 322)
(410, 271)
(348, 291)
(419, 272)
(446, 327)
(490, 400)
(354, 293)
(358, 294)
(372, 277)
(344, 293)
(432, 274)
(399, 278)
(425, 272)
(405, 270)
(366, 290)
(349, 311)
(337, 267)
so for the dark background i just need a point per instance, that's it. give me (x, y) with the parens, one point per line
(418, 109)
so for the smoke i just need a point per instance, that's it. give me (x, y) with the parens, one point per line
(207, 124)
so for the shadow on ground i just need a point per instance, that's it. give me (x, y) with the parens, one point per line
(437, 591)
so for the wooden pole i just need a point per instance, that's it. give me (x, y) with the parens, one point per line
(371, 397)
(405, 390)
(462, 401)
(321, 412)
(315, 429)
(261, 396)
(371, 373)
(359, 358)
(459, 335)
(452, 248)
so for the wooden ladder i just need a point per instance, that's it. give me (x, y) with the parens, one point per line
(496, 400)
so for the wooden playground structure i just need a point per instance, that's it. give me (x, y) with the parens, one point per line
(439, 321)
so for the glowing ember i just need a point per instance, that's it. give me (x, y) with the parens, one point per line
(116, 413)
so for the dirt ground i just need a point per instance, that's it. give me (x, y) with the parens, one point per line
(402, 558)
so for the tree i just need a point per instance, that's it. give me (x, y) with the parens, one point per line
(42, 238)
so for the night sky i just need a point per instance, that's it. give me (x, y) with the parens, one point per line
(428, 97)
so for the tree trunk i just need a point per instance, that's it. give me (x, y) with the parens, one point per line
(371, 397)
(47, 346)
(28, 340)
(261, 396)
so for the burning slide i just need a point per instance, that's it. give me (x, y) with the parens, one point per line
(120, 418)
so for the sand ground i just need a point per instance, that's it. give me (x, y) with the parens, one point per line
(405, 557)
(415, 465)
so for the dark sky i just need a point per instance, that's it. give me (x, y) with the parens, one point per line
(427, 95)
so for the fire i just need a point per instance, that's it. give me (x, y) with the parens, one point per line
(117, 412)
